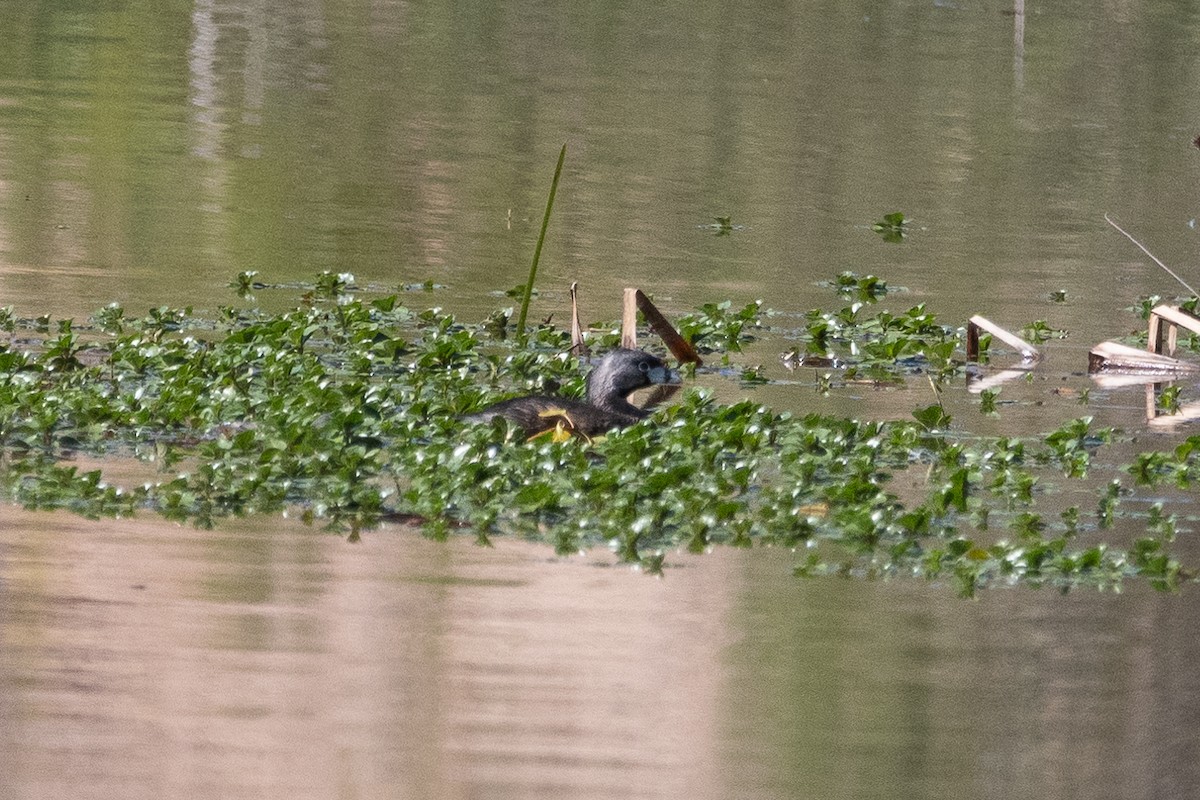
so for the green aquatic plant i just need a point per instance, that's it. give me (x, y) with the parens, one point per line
(332, 284)
(885, 345)
(1070, 446)
(348, 410)
(1167, 400)
(987, 401)
(1179, 467)
(243, 284)
(719, 327)
(893, 227)
(867, 288)
(722, 226)
(1038, 331)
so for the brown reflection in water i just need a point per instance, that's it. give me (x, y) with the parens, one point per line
(263, 659)
(585, 682)
(142, 659)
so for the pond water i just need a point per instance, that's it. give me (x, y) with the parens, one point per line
(151, 151)
(150, 660)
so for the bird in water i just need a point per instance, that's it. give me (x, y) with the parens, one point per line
(609, 384)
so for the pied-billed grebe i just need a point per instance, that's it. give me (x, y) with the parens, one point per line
(609, 384)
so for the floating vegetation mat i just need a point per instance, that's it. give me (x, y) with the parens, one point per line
(347, 409)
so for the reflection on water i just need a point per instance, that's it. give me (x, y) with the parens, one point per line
(150, 153)
(141, 659)
(145, 660)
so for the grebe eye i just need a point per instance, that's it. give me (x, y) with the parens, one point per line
(644, 366)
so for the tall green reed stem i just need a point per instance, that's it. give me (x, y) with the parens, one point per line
(537, 252)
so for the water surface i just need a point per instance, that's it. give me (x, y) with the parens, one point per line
(150, 151)
(150, 660)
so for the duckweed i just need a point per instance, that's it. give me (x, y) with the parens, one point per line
(349, 409)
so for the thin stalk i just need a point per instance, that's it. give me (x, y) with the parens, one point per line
(1153, 257)
(537, 252)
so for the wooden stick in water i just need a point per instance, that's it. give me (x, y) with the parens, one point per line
(680, 348)
(634, 301)
(629, 319)
(1028, 352)
(1121, 358)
